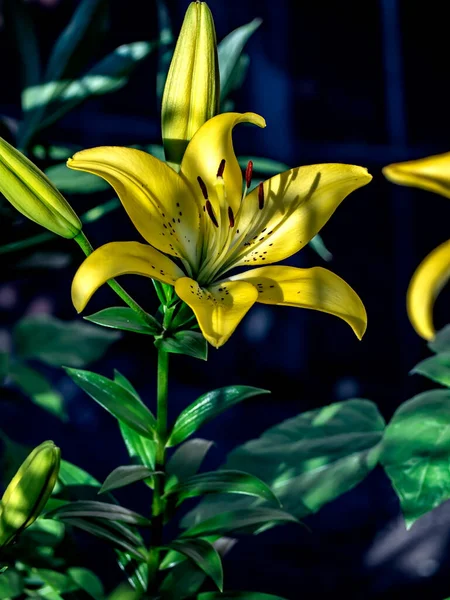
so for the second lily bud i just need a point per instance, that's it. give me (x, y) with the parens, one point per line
(192, 90)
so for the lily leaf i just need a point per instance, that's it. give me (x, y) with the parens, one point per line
(308, 460)
(116, 400)
(11, 584)
(4, 366)
(436, 368)
(75, 182)
(71, 475)
(139, 447)
(123, 476)
(236, 595)
(229, 50)
(125, 318)
(191, 343)
(38, 388)
(441, 342)
(57, 343)
(264, 166)
(87, 581)
(207, 407)
(203, 554)
(222, 482)
(416, 453)
(136, 571)
(243, 520)
(100, 510)
(186, 460)
(183, 581)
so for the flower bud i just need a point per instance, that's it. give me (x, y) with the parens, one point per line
(34, 195)
(192, 90)
(28, 491)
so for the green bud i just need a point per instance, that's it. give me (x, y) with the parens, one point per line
(28, 491)
(34, 195)
(192, 90)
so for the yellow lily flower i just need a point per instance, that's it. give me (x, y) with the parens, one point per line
(432, 174)
(200, 225)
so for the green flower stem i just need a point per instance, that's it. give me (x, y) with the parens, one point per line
(158, 492)
(85, 245)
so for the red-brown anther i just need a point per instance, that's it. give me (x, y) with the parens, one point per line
(249, 174)
(202, 185)
(221, 168)
(261, 196)
(212, 216)
(231, 216)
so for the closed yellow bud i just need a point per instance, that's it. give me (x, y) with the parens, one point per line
(28, 491)
(34, 195)
(192, 90)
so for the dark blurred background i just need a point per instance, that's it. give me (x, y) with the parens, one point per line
(363, 83)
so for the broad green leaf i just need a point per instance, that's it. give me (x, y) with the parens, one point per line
(125, 383)
(122, 317)
(11, 584)
(207, 407)
(237, 595)
(116, 400)
(140, 448)
(416, 453)
(308, 460)
(123, 476)
(38, 388)
(4, 366)
(187, 459)
(229, 50)
(109, 75)
(264, 166)
(183, 581)
(441, 342)
(69, 181)
(71, 475)
(222, 482)
(204, 555)
(436, 368)
(98, 510)
(58, 582)
(115, 533)
(87, 581)
(191, 343)
(56, 343)
(242, 520)
(135, 571)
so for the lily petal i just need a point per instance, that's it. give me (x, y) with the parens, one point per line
(431, 173)
(219, 308)
(426, 283)
(294, 208)
(157, 200)
(314, 288)
(120, 258)
(210, 145)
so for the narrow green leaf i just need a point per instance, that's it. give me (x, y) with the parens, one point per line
(69, 181)
(264, 166)
(183, 581)
(165, 46)
(441, 342)
(204, 555)
(222, 482)
(125, 383)
(44, 532)
(318, 245)
(123, 476)
(136, 571)
(236, 595)
(71, 475)
(87, 581)
(4, 366)
(436, 368)
(100, 510)
(57, 343)
(116, 400)
(191, 343)
(242, 520)
(187, 459)
(236, 81)
(60, 583)
(416, 453)
(122, 317)
(184, 315)
(119, 536)
(11, 584)
(207, 407)
(308, 460)
(229, 50)
(38, 388)
(139, 447)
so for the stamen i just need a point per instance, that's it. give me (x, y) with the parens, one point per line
(231, 216)
(249, 173)
(202, 185)
(261, 196)
(212, 216)
(221, 168)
